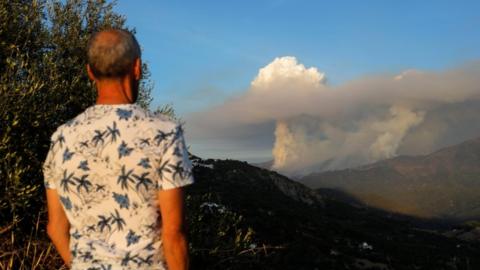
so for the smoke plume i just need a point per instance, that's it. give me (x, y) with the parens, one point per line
(309, 125)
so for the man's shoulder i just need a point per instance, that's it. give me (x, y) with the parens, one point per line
(144, 119)
(69, 126)
(62, 129)
(161, 121)
(101, 117)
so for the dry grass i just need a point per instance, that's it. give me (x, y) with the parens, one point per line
(32, 252)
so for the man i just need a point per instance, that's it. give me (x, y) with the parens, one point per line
(114, 173)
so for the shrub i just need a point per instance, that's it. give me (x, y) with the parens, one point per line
(43, 83)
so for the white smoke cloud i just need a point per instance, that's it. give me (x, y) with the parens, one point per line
(287, 73)
(392, 131)
(287, 146)
(302, 144)
(314, 126)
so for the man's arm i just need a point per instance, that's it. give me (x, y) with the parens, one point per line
(171, 204)
(58, 225)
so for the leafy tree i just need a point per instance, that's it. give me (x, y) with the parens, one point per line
(43, 83)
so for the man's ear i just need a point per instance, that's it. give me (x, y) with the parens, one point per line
(137, 69)
(90, 73)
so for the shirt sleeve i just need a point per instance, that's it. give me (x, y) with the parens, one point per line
(48, 169)
(174, 168)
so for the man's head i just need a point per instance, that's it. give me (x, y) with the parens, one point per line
(114, 56)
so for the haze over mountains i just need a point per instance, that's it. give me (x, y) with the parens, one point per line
(444, 184)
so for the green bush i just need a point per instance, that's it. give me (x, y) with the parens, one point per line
(43, 83)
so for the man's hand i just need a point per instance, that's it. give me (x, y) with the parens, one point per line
(58, 226)
(171, 204)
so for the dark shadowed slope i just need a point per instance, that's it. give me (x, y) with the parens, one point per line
(244, 217)
(444, 184)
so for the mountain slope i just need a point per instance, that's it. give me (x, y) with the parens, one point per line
(244, 217)
(443, 184)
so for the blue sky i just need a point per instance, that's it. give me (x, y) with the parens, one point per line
(202, 52)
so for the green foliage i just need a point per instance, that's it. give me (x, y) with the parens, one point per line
(43, 83)
(214, 228)
(167, 110)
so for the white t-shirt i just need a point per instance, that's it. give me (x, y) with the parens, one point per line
(107, 165)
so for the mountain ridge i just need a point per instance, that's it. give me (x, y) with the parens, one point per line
(449, 176)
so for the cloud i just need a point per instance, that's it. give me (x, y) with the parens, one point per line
(309, 125)
(304, 144)
(392, 131)
(287, 73)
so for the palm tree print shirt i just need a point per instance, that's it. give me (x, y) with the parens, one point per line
(107, 165)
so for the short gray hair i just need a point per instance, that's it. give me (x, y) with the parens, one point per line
(115, 57)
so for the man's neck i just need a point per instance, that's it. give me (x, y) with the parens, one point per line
(114, 92)
(109, 100)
